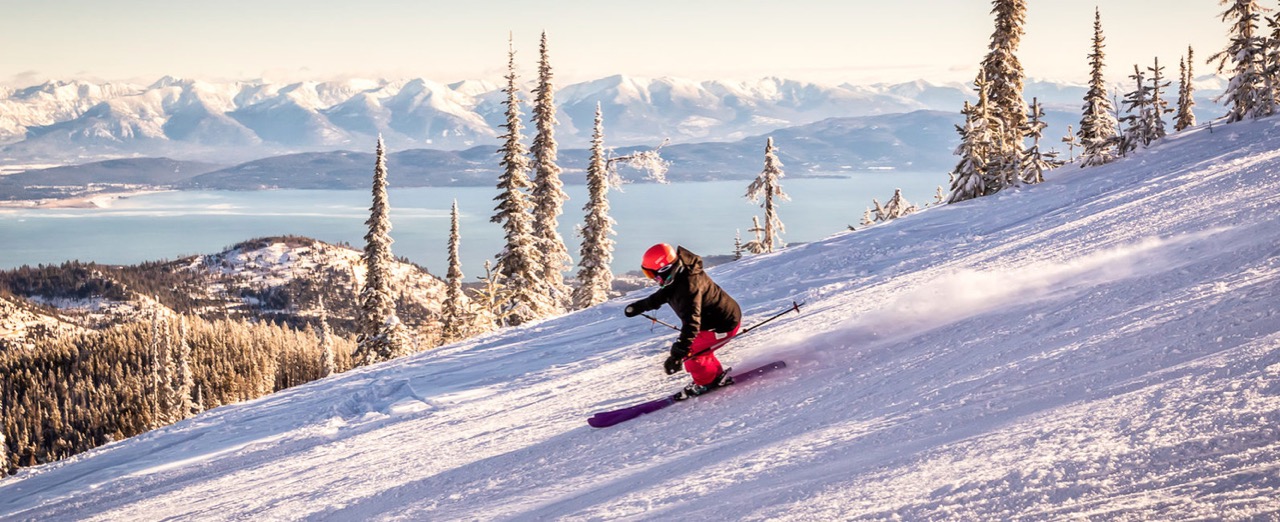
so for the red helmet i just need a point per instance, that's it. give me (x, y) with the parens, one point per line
(660, 263)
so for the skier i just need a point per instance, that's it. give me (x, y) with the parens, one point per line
(708, 315)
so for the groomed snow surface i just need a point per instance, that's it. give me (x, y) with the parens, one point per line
(1105, 345)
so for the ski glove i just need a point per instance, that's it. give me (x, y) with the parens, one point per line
(673, 364)
(676, 361)
(631, 310)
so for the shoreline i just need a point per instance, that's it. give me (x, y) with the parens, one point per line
(85, 201)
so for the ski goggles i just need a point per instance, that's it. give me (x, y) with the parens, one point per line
(664, 276)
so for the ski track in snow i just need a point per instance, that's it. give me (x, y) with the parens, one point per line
(1104, 345)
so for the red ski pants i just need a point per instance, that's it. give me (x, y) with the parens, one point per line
(704, 368)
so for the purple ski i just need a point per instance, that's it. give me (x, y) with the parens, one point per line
(609, 418)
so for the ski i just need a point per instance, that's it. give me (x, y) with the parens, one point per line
(605, 419)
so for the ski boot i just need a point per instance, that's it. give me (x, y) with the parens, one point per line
(694, 390)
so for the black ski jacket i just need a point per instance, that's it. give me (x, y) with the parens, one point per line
(696, 299)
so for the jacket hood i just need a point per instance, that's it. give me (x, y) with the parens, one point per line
(689, 260)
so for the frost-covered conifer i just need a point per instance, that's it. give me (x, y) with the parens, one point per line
(1035, 161)
(1004, 77)
(595, 279)
(381, 335)
(868, 218)
(1186, 100)
(756, 246)
(1137, 108)
(184, 379)
(1245, 92)
(328, 362)
(737, 244)
(494, 298)
(1071, 142)
(518, 265)
(160, 382)
(977, 136)
(767, 189)
(455, 316)
(548, 190)
(896, 207)
(1098, 124)
(1159, 105)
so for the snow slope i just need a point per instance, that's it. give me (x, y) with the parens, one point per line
(1104, 345)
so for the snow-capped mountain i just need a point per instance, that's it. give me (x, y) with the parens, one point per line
(244, 120)
(1104, 345)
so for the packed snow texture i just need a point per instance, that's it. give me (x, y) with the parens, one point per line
(1104, 345)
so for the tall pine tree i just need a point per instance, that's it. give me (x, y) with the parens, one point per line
(1245, 92)
(1159, 105)
(767, 190)
(518, 265)
(1005, 78)
(456, 318)
(1186, 100)
(381, 335)
(1098, 135)
(328, 360)
(595, 280)
(548, 190)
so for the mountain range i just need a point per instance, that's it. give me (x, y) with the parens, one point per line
(73, 122)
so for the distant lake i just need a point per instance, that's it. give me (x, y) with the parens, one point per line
(703, 217)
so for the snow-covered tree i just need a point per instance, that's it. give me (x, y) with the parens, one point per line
(494, 298)
(1159, 105)
(649, 161)
(381, 335)
(183, 378)
(1245, 92)
(595, 279)
(1186, 100)
(161, 371)
(757, 245)
(1035, 161)
(896, 207)
(548, 190)
(455, 316)
(738, 249)
(1004, 77)
(1098, 135)
(519, 263)
(977, 136)
(767, 190)
(1137, 122)
(868, 217)
(1071, 142)
(328, 360)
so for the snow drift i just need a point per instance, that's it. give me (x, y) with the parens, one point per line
(1103, 345)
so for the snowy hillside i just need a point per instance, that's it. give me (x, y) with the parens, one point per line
(1105, 345)
(266, 279)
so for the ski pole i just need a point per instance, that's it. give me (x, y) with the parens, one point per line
(795, 307)
(659, 321)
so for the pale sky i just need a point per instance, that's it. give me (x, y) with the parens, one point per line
(828, 41)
